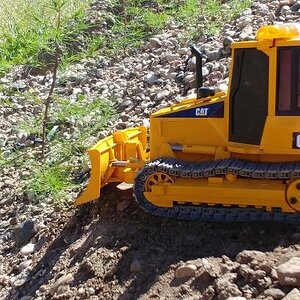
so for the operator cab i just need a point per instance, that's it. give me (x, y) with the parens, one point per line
(250, 87)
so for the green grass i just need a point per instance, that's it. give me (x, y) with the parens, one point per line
(50, 180)
(28, 29)
(143, 21)
(217, 15)
(66, 146)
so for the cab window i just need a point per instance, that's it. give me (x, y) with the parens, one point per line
(288, 81)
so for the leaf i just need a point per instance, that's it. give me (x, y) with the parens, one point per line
(52, 132)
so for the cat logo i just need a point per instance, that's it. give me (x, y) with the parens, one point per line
(202, 111)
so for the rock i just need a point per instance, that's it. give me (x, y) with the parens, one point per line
(205, 71)
(247, 256)
(155, 43)
(5, 280)
(274, 293)
(244, 270)
(21, 278)
(294, 294)
(226, 289)
(164, 94)
(13, 221)
(214, 77)
(214, 55)
(7, 201)
(19, 86)
(189, 78)
(263, 9)
(236, 298)
(27, 249)
(244, 21)
(209, 293)
(81, 291)
(192, 64)
(186, 271)
(227, 41)
(183, 51)
(285, 10)
(63, 280)
(24, 265)
(180, 77)
(296, 6)
(172, 57)
(289, 272)
(24, 232)
(136, 266)
(150, 78)
(121, 206)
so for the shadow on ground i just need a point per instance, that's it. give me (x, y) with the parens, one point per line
(116, 239)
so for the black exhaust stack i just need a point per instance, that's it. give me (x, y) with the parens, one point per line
(202, 92)
(199, 78)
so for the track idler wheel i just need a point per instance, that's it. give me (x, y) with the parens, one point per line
(158, 178)
(293, 194)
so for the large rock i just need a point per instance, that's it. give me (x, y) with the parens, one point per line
(27, 249)
(274, 293)
(155, 43)
(294, 294)
(186, 271)
(227, 289)
(63, 280)
(289, 272)
(247, 256)
(24, 232)
(150, 78)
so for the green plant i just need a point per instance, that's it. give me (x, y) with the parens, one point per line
(26, 36)
(50, 180)
(218, 14)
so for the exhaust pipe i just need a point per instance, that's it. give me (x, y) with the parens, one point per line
(199, 78)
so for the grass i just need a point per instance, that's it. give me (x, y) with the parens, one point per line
(50, 180)
(70, 127)
(218, 15)
(26, 36)
(144, 21)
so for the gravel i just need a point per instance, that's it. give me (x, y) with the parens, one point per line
(111, 249)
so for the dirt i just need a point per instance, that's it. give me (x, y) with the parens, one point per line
(97, 244)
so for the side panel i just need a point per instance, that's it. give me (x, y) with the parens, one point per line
(248, 96)
(195, 129)
(280, 136)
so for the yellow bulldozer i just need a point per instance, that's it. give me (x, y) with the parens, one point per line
(218, 156)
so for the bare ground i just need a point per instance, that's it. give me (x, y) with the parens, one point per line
(98, 244)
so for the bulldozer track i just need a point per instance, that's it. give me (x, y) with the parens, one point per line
(218, 213)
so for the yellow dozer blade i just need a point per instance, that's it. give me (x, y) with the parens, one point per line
(116, 158)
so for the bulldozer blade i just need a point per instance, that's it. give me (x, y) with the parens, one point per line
(123, 146)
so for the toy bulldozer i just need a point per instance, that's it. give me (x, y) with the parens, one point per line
(219, 156)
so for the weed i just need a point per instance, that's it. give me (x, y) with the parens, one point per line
(50, 180)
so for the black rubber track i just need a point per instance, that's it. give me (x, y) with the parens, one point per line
(239, 167)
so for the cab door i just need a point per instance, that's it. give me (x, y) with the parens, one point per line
(248, 98)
